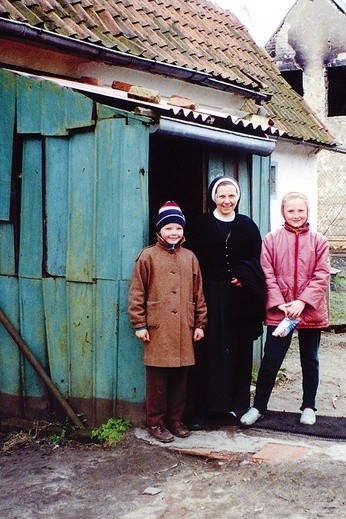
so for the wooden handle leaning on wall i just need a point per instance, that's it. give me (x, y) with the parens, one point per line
(39, 370)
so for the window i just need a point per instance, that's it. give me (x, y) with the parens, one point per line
(336, 91)
(274, 180)
(295, 79)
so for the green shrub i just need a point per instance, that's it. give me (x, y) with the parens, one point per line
(111, 432)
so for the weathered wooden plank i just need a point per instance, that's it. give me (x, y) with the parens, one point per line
(55, 307)
(261, 192)
(131, 374)
(108, 112)
(10, 359)
(7, 111)
(53, 109)
(80, 338)
(80, 254)
(56, 195)
(219, 164)
(80, 110)
(134, 192)
(7, 252)
(109, 199)
(106, 339)
(244, 180)
(32, 329)
(28, 105)
(31, 243)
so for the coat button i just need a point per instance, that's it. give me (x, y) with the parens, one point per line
(172, 271)
(174, 291)
(174, 311)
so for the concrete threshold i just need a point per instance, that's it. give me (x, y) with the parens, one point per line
(248, 446)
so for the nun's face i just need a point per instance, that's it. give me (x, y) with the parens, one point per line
(226, 199)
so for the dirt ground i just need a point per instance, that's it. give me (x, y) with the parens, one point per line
(141, 480)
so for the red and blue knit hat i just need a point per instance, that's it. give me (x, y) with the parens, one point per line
(170, 212)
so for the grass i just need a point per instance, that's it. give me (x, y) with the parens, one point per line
(337, 299)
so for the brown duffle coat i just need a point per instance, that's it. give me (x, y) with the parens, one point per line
(166, 296)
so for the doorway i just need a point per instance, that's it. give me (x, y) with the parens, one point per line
(177, 171)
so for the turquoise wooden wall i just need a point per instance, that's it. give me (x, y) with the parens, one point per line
(65, 264)
(73, 216)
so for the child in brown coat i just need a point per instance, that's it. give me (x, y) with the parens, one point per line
(168, 312)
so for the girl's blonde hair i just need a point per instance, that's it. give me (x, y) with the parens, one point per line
(292, 195)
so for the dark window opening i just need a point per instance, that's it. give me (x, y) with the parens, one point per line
(336, 91)
(295, 79)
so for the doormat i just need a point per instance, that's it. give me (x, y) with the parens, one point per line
(332, 427)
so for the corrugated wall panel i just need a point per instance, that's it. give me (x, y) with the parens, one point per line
(133, 231)
(80, 338)
(110, 158)
(7, 251)
(7, 111)
(46, 108)
(28, 105)
(31, 238)
(244, 179)
(32, 329)
(134, 194)
(261, 214)
(55, 307)
(10, 357)
(57, 159)
(53, 109)
(79, 110)
(131, 374)
(95, 208)
(261, 192)
(80, 243)
(106, 305)
(232, 165)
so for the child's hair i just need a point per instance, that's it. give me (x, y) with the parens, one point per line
(292, 195)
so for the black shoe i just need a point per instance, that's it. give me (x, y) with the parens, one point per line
(224, 418)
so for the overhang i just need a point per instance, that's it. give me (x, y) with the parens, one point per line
(216, 137)
(177, 122)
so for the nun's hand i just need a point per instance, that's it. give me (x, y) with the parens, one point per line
(236, 282)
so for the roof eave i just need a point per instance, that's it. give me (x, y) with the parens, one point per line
(22, 30)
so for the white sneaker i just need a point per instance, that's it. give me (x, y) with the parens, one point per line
(308, 416)
(251, 416)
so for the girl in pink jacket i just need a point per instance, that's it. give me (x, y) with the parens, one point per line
(295, 261)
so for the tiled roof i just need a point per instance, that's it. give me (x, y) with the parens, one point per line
(188, 34)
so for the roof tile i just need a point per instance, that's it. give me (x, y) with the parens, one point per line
(193, 34)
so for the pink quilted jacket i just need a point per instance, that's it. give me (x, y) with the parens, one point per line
(296, 266)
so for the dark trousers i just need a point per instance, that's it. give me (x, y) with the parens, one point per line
(165, 394)
(275, 350)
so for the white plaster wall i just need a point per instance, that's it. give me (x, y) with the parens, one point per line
(312, 46)
(296, 172)
(73, 67)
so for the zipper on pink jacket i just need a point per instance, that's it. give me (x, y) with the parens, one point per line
(296, 250)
